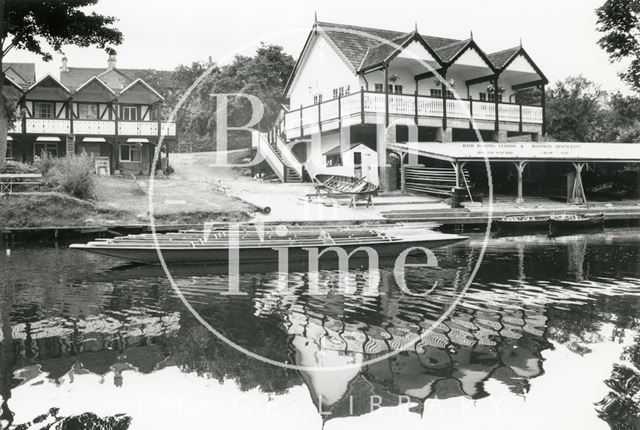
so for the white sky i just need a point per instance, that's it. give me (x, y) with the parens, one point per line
(560, 35)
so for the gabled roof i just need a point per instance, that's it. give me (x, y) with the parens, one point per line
(355, 41)
(448, 52)
(49, 77)
(500, 58)
(99, 82)
(74, 77)
(144, 84)
(21, 73)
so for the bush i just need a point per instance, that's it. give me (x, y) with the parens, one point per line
(44, 163)
(75, 175)
(17, 168)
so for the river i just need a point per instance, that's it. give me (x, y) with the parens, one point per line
(544, 337)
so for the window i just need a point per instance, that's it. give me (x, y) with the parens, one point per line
(357, 158)
(87, 111)
(347, 90)
(335, 93)
(379, 88)
(492, 97)
(483, 97)
(437, 92)
(317, 99)
(130, 153)
(43, 110)
(341, 91)
(129, 113)
(9, 151)
(334, 160)
(50, 148)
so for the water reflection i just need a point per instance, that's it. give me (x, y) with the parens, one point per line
(66, 315)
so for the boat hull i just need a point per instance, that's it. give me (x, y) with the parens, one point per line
(205, 255)
(529, 226)
(558, 227)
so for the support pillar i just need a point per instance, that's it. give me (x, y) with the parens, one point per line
(456, 169)
(382, 137)
(520, 165)
(402, 173)
(444, 136)
(500, 136)
(577, 194)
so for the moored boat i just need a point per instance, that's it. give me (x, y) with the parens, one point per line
(513, 224)
(268, 243)
(571, 223)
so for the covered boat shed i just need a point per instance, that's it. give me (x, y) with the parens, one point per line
(578, 154)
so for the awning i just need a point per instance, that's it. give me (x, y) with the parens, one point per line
(47, 139)
(137, 140)
(523, 151)
(93, 140)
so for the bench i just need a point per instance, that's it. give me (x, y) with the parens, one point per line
(8, 180)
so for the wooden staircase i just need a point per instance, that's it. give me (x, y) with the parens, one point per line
(290, 175)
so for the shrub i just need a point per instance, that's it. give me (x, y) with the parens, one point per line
(17, 168)
(44, 163)
(75, 175)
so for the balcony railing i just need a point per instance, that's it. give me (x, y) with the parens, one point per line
(362, 106)
(85, 127)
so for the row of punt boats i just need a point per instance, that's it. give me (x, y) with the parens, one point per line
(261, 243)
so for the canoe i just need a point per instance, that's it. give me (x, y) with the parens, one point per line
(267, 245)
(345, 184)
(521, 224)
(568, 224)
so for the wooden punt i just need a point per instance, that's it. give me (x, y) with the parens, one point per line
(569, 224)
(256, 245)
(514, 224)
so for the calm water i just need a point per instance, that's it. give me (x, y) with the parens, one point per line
(546, 337)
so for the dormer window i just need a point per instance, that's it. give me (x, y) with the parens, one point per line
(87, 111)
(43, 109)
(129, 113)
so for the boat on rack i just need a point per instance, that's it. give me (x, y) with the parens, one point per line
(511, 224)
(262, 243)
(356, 188)
(572, 223)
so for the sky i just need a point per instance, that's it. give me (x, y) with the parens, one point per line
(559, 35)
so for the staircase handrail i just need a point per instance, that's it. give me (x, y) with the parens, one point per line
(269, 153)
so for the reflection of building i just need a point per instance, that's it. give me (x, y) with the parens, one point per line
(109, 112)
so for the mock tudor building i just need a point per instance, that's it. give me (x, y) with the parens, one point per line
(111, 113)
(371, 86)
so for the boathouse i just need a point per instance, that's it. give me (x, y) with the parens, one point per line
(112, 113)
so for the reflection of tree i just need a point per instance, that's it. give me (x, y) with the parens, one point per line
(197, 350)
(621, 407)
(86, 421)
(6, 353)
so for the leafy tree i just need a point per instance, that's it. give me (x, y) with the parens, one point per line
(619, 20)
(575, 111)
(42, 26)
(264, 75)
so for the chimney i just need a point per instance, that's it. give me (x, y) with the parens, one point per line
(111, 64)
(64, 67)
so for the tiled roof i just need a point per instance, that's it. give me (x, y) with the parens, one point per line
(354, 41)
(500, 58)
(117, 78)
(21, 73)
(377, 54)
(446, 53)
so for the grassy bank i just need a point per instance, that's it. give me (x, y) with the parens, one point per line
(60, 210)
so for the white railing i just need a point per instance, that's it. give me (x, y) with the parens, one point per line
(145, 128)
(430, 107)
(402, 104)
(48, 126)
(267, 151)
(509, 113)
(484, 111)
(94, 127)
(532, 114)
(459, 109)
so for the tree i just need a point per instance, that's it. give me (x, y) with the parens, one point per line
(42, 26)
(619, 20)
(575, 111)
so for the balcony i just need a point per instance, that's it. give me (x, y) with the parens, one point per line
(85, 127)
(367, 107)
